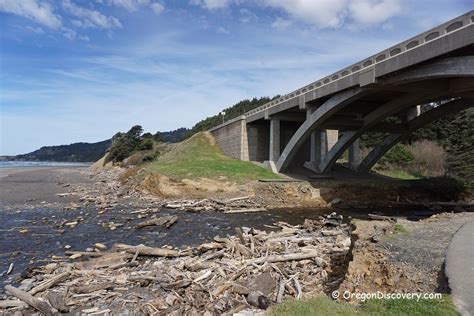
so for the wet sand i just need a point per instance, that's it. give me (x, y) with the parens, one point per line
(30, 185)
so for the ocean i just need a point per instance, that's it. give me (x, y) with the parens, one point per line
(29, 164)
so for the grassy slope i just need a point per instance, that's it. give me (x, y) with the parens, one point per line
(325, 306)
(399, 174)
(197, 157)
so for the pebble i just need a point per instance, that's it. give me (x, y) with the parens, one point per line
(100, 246)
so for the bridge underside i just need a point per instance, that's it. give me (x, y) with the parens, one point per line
(317, 133)
(391, 106)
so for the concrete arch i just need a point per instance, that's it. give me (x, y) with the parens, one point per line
(317, 118)
(389, 108)
(378, 151)
(455, 68)
(462, 66)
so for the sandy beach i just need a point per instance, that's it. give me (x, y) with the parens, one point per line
(38, 184)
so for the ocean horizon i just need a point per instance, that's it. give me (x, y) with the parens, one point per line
(30, 164)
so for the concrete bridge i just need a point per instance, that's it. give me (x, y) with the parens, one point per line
(313, 126)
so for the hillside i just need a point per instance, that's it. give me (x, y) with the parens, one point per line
(230, 113)
(174, 136)
(200, 157)
(77, 152)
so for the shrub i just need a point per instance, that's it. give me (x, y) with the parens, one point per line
(429, 158)
(146, 144)
(123, 145)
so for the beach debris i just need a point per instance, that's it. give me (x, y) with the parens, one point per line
(100, 246)
(235, 205)
(250, 271)
(10, 268)
(166, 221)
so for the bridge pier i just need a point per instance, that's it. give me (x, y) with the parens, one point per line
(274, 140)
(354, 154)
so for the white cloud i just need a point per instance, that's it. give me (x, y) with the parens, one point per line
(322, 13)
(130, 5)
(368, 12)
(212, 4)
(222, 30)
(38, 11)
(157, 7)
(281, 24)
(90, 18)
(247, 16)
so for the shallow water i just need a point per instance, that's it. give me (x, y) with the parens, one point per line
(45, 236)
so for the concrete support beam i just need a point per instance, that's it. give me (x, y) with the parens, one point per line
(274, 140)
(354, 153)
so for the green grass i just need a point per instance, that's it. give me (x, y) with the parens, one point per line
(325, 306)
(197, 157)
(399, 174)
(400, 229)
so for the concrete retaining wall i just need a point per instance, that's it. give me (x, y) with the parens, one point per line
(232, 139)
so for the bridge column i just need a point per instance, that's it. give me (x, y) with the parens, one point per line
(274, 140)
(318, 146)
(354, 154)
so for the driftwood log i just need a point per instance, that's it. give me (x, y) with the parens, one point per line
(49, 283)
(150, 251)
(166, 221)
(34, 302)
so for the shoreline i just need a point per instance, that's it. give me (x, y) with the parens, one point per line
(80, 209)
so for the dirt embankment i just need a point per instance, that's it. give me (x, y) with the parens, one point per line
(402, 257)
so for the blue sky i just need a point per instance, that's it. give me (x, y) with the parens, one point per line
(82, 70)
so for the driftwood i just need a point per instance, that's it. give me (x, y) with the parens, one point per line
(82, 289)
(381, 217)
(85, 253)
(245, 210)
(253, 268)
(34, 302)
(49, 283)
(166, 221)
(287, 257)
(12, 303)
(150, 251)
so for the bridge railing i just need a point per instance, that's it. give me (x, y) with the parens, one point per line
(415, 42)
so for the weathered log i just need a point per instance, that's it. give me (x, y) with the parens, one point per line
(12, 303)
(82, 289)
(166, 221)
(85, 253)
(49, 283)
(286, 257)
(381, 217)
(150, 251)
(245, 210)
(34, 302)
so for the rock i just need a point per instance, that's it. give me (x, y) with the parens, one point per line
(333, 219)
(27, 284)
(258, 300)
(71, 224)
(75, 256)
(100, 246)
(24, 231)
(263, 283)
(67, 247)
